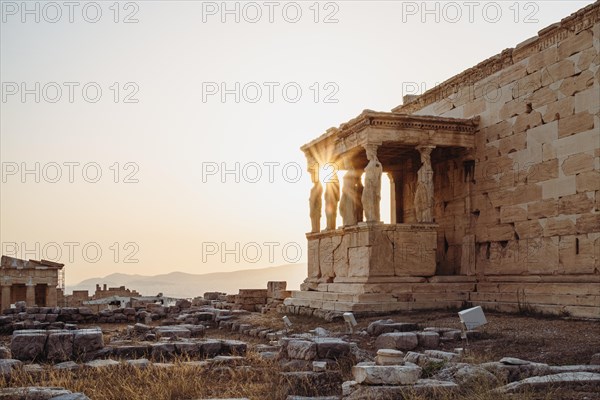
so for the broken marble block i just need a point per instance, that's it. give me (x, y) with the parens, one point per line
(397, 341)
(86, 341)
(389, 357)
(28, 345)
(368, 373)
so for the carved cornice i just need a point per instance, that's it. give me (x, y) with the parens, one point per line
(395, 121)
(547, 37)
(398, 121)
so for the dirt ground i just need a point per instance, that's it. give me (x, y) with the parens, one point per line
(555, 341)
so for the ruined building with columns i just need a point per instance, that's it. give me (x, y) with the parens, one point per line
(38, 283)
(494, 185)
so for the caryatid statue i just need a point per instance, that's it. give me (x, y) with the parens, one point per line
(359, 191)
(371, 195)
(332, 197)
(315, 201)
(424, 190)
(350, 202)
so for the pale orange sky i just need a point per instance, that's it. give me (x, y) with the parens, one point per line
(157, 202)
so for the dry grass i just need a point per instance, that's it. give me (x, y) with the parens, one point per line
(186, 382)
(260, 382)
(158, 383)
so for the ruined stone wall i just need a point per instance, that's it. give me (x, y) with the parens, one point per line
(102, 293)
(76, 299)
(522, 210)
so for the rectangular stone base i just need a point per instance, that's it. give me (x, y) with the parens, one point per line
(400, 294)
(450, 292)
(372, 251)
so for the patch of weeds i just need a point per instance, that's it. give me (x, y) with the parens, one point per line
(432, 368)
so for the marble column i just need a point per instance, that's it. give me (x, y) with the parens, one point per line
(6, 292)
(359, 191)
(393, 215)
(315, 200)
(350, 203)
(51, 296)
(371, 196)
(332, 197)
(396, 196)
(424, 200)
(30, 294)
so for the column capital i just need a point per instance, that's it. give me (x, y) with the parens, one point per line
(371, 147)
(311, 162)
(425, 149)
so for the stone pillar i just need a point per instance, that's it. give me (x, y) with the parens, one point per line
(315, 200)
(359, 191)
(6, 292)
(424, 199)
(396, 194)
(350, 202)
(332, 197)
(30, 294)
(371, 196)
(51, 296)
(393, 216)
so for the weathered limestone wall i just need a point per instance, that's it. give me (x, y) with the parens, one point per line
(522, 211)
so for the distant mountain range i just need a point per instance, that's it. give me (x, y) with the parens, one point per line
(180, 284)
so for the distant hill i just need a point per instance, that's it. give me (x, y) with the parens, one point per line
(180, 284)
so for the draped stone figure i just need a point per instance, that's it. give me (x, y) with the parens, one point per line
(359, 191)
(332, 197)
(350, 202)
(371, 194)
(424, 190)
(315, 201)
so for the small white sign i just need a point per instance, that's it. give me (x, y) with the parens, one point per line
(349, 318)
(287, 321)
(472, 317)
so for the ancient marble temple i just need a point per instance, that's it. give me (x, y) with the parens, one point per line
(495, 189)
(34, 282)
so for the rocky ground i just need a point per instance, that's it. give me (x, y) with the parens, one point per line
(541, 339)
(203, 352)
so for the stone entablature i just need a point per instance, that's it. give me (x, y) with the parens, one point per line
(372, 127)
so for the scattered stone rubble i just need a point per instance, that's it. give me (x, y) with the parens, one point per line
(51, 318)
(40, 393)
(395, 377)
(408, 358)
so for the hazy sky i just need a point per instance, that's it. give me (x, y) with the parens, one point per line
(160, 133)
